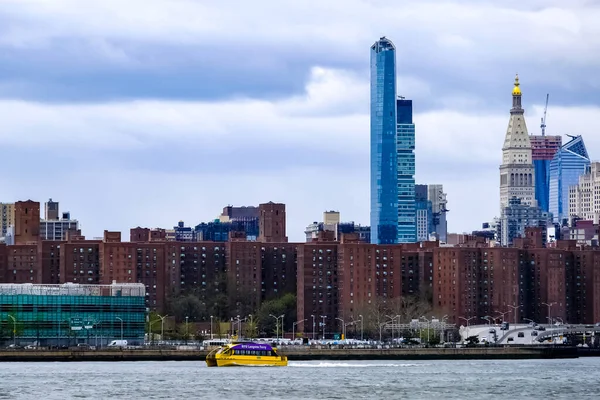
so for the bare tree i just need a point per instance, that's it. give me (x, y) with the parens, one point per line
(409, 307)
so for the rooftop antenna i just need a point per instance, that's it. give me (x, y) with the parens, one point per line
(543, 125)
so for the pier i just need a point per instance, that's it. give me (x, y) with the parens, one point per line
(301, 354)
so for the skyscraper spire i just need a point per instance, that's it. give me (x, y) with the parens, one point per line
(516, 93)
(516, 170)
(516, 90)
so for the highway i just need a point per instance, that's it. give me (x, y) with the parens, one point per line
(547, 334)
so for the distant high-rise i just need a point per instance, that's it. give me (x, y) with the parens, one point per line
(405, 150)
(517, 216)
(51, 210)
(543, 149)
(384, 158)
(424, 213)
(438, 206)
(567, 165)
(27, 222)
(516, 171)
(584, 202)
(272, 223)
(55, 228)
(7, 214)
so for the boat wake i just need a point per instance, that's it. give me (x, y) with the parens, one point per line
(349, 365)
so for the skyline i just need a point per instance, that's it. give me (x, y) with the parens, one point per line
(151, 89)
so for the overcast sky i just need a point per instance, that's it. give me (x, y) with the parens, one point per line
(147, 112)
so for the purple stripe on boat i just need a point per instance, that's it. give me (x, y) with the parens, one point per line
(253, 346)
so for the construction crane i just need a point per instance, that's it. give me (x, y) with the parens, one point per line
(543, 125)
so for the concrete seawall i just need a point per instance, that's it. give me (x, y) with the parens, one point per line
(477, 353)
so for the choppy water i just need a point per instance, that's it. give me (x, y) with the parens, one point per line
(507, 379)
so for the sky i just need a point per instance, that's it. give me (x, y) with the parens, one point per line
(147, 112)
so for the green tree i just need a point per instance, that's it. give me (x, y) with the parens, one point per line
(188, 306)
(251, 328)
(219, 307)
(284, 305)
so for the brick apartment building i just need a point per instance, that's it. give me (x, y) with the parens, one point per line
(331, 279)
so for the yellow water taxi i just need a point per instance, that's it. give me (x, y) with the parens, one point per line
(245, 354)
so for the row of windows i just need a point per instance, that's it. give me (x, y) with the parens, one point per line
(71, 308)
(259, 353)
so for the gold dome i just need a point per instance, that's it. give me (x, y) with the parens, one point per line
(516, 90)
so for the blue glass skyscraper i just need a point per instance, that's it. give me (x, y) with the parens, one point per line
(405, 151)
(569, 162)
(384, 161)
(543, 149)
(424, 213)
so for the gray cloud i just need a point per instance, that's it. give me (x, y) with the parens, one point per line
(466, 49)
(184, 108)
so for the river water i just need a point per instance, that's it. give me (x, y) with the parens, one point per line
(505, 379)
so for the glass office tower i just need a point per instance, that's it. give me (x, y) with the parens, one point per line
(565, 168)
(405, 150)
(384, 162)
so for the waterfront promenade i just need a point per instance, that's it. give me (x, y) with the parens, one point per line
(298, 353)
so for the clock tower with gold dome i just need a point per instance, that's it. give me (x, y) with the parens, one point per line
(517, 178)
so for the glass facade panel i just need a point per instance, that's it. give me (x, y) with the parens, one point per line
(542, 183)
(69, 314)
(384, 189)
(568, 164)
(405, 148)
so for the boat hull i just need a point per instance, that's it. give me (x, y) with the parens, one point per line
(236, 362)
(247, 361)
(246, 354)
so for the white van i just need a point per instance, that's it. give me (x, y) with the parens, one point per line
(118, 343)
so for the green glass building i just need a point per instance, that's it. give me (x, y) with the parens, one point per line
(70, 314)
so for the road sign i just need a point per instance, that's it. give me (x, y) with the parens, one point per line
(336, 336)
(88, 324)
(76, 324)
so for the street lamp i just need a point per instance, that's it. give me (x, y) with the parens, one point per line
(381, 325)
(549, 306)
(211, 323)
(361, 327)
(343, 326)
(467, 320)
(487, 318)
(162, 326)
(392, 319)
(187, 335)
(277, 324)
(150, 331)
(294, 328)
(443, 334)
(514, 308)
(239, 326)
(323, 316)
(503, 314)
(96, 323)
(427, 328)
(14, 330)
(313, 318)
(120, 319)
(59, 333)
(251, 326)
